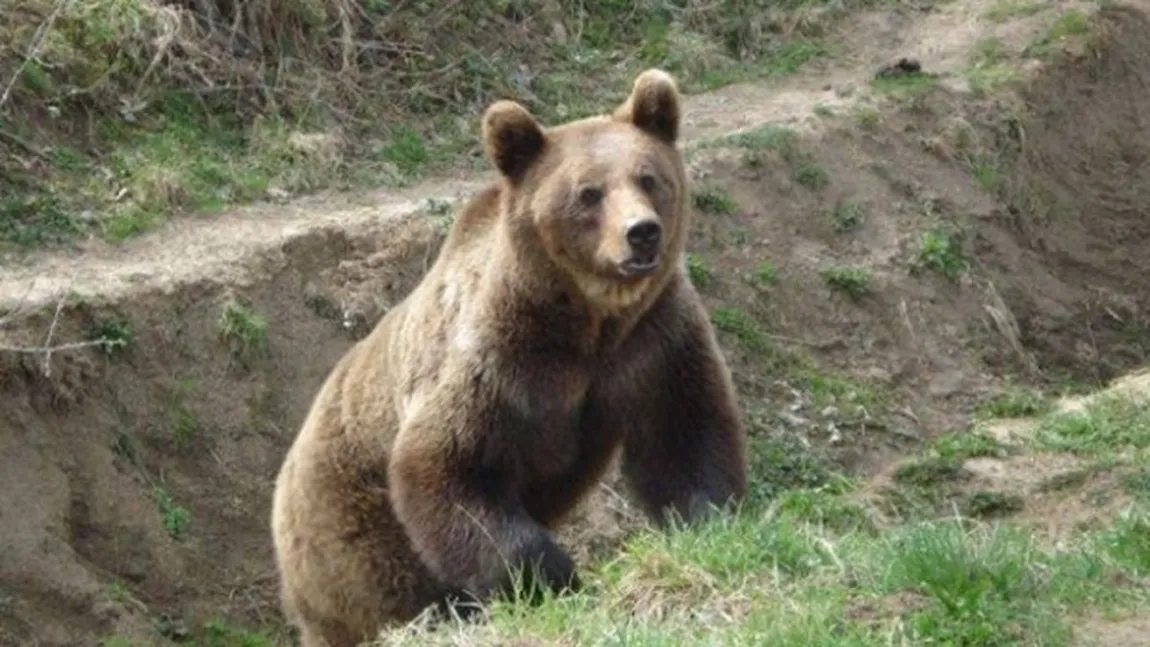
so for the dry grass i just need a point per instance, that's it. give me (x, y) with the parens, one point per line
(119, 112)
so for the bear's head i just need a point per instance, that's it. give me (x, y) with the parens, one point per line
(604, 199)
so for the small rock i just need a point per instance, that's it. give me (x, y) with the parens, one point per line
(946, 384)
(793, 420)
(836, 436)
(277, 194)
(988, 468)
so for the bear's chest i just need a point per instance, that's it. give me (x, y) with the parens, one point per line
(554, 423)
(557, 459)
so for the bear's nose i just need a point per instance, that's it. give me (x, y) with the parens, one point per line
(643, 235)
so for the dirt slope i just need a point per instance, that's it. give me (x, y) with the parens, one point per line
(134, 484)
(943, 39)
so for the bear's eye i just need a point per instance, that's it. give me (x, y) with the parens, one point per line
(647, 181)
(590, 196)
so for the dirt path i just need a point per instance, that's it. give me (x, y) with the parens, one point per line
(237, 247)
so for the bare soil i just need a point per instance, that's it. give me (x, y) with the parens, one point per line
(1055, 290)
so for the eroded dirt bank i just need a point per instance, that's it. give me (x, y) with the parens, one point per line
(999, 237)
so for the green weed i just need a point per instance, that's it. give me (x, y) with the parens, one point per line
(778, 139)
(1016, 403)
(745, 329)
(125, 446)
(765, 274)
(991, 77)
(244, 330)
(176, 519)
(929, 472)
(1070, 25)
(866, 117)
(906, 85)
(698, 270)
(184, 424)
(855, 282)
(960, 446)
(714, 200)
(114, 336)
(989, 176)
(848, 216)
(217, 633)
(941, 252)
(855, 398)
(811, 176)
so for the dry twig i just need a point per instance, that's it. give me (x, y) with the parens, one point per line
(47, 348)
(34, 48)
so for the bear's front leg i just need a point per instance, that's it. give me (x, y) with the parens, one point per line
(464, 519)
(685, 448)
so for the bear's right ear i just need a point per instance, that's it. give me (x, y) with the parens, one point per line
(654, 105)
(512, 139)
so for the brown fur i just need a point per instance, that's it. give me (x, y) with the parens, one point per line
(443, 446)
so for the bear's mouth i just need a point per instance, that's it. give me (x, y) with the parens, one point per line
(639, 266)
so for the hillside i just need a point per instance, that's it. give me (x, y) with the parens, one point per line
(917, 277)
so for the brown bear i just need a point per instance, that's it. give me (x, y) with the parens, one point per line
(556, 327)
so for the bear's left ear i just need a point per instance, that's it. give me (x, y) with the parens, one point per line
(654, 105)
(512, 139)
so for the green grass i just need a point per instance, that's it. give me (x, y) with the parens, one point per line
(175, 518)
(1016, 403)
(765, 274)
(811, 176)
(992, 76)
(989, 175)
(809, 571)
(244, 330)
(746, 331)
(856, 398)
(940, 251)
(784, 143)
(779, 140)
(1069, 26)
(905, 86)
(960, 446)
(848, 216)
(854, 282)
(214, 633)
(1109, 425)
(182, 421)
(866, 117)
(115, 336)
(1004, 10)
(990, 69)
(808, 562)
(714, 200)
(698, 271)
(218, 126)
